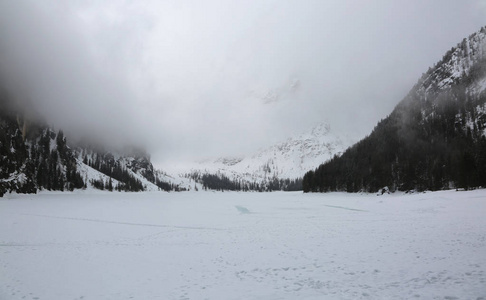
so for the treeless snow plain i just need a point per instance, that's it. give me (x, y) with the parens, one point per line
(205, 245)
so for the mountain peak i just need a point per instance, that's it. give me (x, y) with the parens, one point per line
(288, 159)
(457, 63)
(321, 129)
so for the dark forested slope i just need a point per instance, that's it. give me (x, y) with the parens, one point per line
(434, 139)
(34, 157)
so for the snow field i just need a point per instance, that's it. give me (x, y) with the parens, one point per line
(206, 245)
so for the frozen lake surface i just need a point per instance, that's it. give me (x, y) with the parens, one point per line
(209, 245)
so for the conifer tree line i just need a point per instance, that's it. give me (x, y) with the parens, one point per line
(57, 167)
(33, 157)
(106, 164)
(434, 139)
(220, 182)
(166, 186)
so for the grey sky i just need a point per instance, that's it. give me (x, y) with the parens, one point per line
(190, 79)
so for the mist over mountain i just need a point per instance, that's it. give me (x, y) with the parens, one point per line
(183, 78)
(269, 167)
(34, 156)
(434, 139)
(188, 80)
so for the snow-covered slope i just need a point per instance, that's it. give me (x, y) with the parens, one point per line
(137, 164)
(93, 165)
(89, 174)
(459, 62)
(289, 159)
(461, 67)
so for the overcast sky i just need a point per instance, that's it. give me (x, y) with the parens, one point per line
(192, 79)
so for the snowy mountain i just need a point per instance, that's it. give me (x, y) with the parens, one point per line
(289, 159)
(32, 156)
(464, 60)
(131, 168)
(35, 157)
(434, 139)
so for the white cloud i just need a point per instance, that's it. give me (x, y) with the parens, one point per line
(186, 78)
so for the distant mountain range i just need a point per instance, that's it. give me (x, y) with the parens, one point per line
(287, 160)
(434, 139)
(35, 157)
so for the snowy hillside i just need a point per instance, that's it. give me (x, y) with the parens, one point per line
(456, 64)
(90, 174)
(462, 69)
(101, 166)
(288, 159)
(34, 156)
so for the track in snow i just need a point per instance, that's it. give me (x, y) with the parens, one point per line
(197, 246)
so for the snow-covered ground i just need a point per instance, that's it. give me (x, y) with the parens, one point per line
(206, 245)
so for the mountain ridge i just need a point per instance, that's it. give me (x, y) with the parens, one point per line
(285, 160)
(34, 157)
(434, 138)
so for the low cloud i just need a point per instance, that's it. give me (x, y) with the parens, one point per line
(190, 79)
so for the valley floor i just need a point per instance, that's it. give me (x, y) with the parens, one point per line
(205, 245)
